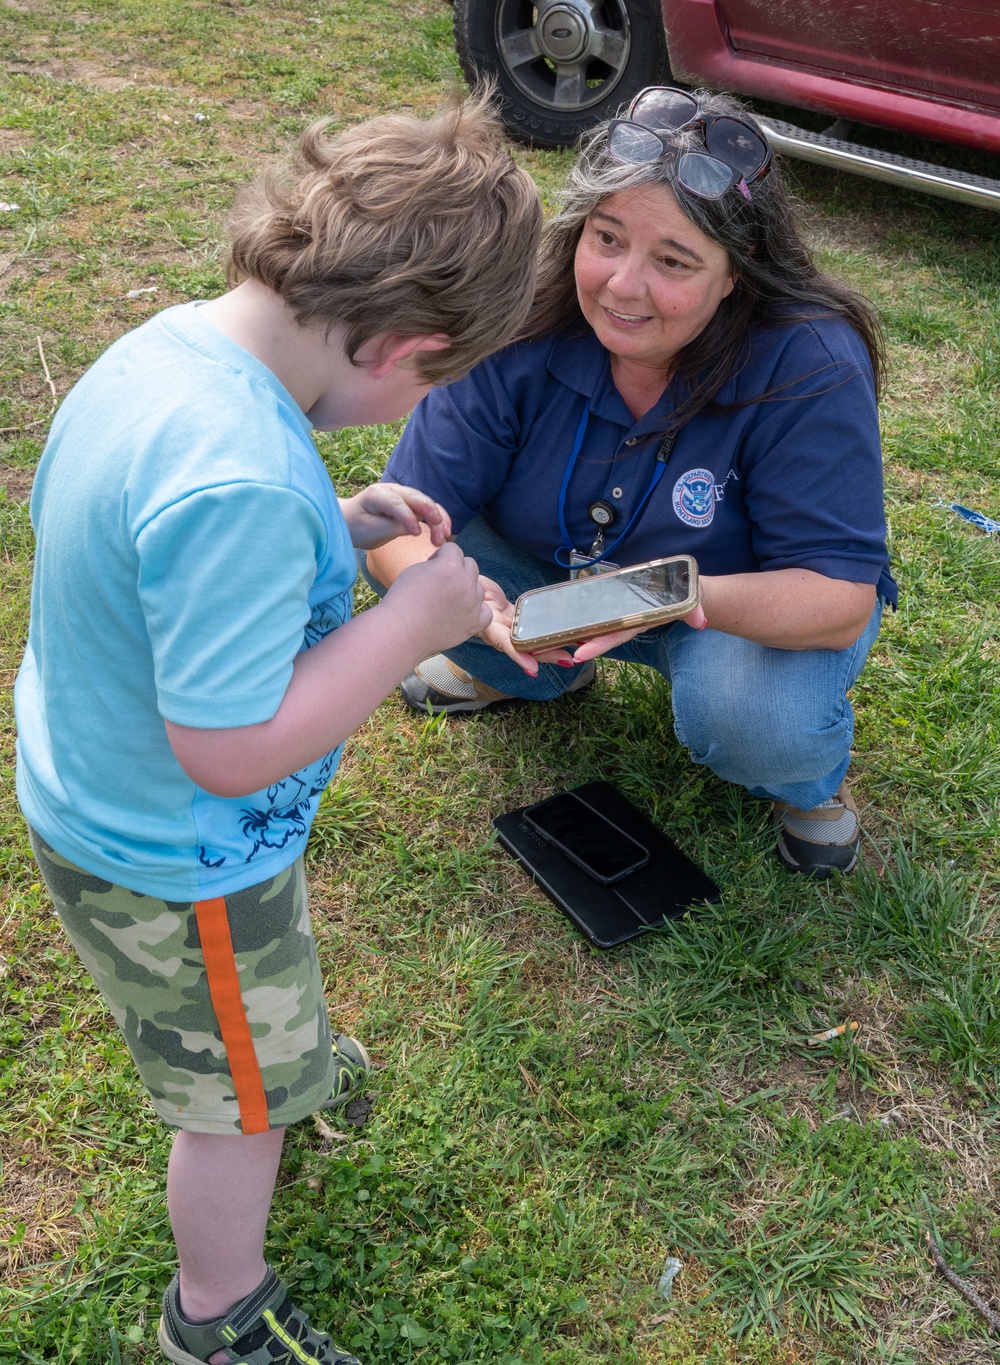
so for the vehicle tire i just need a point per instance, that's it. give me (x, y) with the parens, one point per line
(561, 66)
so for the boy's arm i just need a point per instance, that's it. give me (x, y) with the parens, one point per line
(339, 682)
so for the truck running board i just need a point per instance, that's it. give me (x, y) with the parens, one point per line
(785, 138)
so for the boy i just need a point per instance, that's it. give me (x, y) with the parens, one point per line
(192, 670)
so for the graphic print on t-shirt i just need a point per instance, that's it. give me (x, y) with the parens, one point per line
(287, 807)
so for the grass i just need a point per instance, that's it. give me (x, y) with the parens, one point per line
(552, 1123)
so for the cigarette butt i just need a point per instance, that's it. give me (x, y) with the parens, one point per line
(323, 1128)
(832, 1033)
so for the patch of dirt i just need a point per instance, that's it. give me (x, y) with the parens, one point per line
(247, 110)
(107, 82)
(358, 1111)
(17, 483)
(85, 71)
(793, 1074)
(42, 1198)
(918, 484)
(11, 266)
(842, 231)
(13, 138)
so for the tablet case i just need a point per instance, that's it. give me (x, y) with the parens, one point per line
(664, 888)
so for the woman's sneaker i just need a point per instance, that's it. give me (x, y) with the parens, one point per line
(265, 1328)
(449, 691)
(820, 841)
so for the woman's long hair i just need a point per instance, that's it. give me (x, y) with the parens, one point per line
(776, 279)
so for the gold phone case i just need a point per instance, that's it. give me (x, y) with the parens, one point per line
(652, 616)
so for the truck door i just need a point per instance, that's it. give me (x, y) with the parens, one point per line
(950, 48)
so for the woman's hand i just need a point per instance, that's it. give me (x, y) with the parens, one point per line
(384, 511)
(600, 644)
(497, 634)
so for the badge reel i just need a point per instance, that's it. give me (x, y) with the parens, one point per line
(602, 514)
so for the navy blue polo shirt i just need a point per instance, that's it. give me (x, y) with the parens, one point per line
(783, 471)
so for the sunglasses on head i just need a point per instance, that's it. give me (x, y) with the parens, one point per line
(735, 153)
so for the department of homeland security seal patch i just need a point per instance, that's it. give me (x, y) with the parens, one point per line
(694, 497)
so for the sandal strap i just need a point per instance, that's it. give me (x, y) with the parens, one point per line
(202, 1339)
(243, 1315)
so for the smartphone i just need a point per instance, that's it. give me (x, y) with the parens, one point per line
(664, 888)
(586, 837)
(568, 613)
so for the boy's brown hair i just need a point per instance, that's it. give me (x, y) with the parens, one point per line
(402, 225)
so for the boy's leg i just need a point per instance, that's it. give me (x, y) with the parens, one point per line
(219, 1193)
(221, 1004)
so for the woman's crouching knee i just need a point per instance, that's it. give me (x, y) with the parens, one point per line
(758, 739)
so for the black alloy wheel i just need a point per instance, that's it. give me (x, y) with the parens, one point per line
(561, 66)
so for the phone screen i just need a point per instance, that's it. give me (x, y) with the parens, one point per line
(585, 836)
(586, 602)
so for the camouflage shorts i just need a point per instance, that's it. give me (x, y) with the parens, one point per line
(220, 1001)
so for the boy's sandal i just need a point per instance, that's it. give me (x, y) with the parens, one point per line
(351, 1064)
(265, 1328)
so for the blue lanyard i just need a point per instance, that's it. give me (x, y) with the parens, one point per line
(566, 548)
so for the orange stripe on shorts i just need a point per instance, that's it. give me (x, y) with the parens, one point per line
(227, 1001)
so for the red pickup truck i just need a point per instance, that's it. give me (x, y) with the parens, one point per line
(930, 68)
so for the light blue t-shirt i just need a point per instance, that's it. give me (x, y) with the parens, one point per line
(189, 545)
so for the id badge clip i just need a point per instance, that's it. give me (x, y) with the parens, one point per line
(602, 514)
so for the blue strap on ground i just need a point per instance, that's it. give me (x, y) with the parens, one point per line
(979, 519)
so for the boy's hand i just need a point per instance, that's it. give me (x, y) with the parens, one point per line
(384, 511)
(442, 597)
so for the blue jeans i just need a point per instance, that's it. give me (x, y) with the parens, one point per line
(776, 721)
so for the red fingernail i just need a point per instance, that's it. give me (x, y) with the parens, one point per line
(564, 663)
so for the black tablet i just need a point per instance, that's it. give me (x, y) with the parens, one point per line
(666, 885)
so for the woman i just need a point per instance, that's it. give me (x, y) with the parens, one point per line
(688, 383)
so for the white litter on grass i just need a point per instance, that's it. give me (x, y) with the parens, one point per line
(671, 1270)
(201, 118)
(138, 293)
(8, 208)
